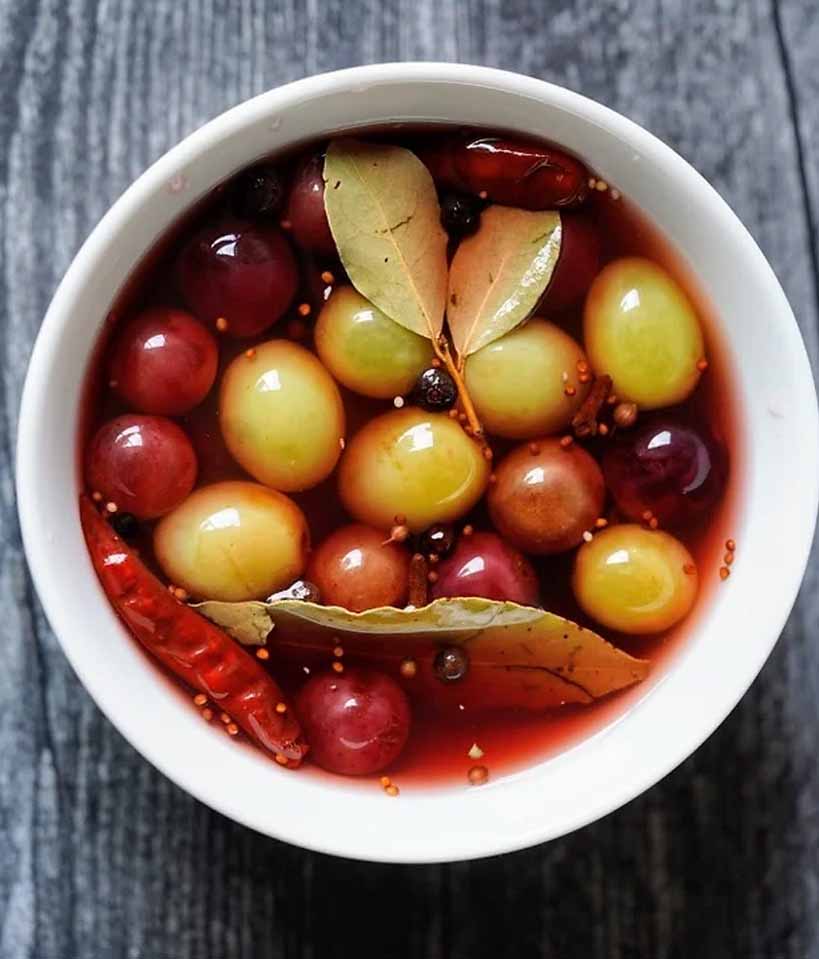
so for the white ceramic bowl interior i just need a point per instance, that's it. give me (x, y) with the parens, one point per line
(735, 633)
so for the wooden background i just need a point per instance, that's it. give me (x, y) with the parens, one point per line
(100, 856)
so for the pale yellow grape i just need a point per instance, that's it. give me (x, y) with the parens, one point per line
(641, 329)
(365, 350)
(233, 541)
(527, 384)
(281, 416)
(411, 464)
(635, 580)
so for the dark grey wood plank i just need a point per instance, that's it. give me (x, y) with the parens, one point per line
(99, 855)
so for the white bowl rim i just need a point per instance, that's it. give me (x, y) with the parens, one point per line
(436, 846)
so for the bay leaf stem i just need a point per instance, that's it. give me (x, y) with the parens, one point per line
(442, 351)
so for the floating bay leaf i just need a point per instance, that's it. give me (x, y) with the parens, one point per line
(498, 275)
(384, 216)
(519, 656)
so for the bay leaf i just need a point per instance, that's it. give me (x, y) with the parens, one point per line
(519, 656)
(498, 275)
(384, 216)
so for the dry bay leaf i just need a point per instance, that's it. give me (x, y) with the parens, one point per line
(384, 216)
(519, 656)
(498, 275)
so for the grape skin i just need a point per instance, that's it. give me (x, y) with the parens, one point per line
(527, 384)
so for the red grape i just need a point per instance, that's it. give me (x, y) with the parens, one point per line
(577, 265)
(545, 497)
(355, 568)
(164, 361)
(667, 466)
(144, 464)
(306, 212)
(484, 565)
(356, 722)
(244, 275)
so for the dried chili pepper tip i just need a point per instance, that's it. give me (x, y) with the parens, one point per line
(730, 545)
(392, 790)
(200, 699)
(221, 324)
(724, 572)
(232, 729)
(408, 668)
(262, 653)
(478, 775)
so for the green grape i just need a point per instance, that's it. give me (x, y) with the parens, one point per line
(411, 464)
(233, 541)
(635, 580)
(367, 351)
(527, 384)
(281, 416)
(641, 329)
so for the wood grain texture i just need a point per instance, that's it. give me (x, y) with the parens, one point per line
(100, 856)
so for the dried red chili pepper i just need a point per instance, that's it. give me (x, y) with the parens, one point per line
(514, 172)
(191, 647)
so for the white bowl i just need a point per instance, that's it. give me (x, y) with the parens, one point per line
(733, 635)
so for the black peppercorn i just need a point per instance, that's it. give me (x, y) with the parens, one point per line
(438, 540)
(125, 525)
(435, 390)
(460, 215)
(257, 192)
(451, 664)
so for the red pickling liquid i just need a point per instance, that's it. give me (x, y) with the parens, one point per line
(442, 732)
